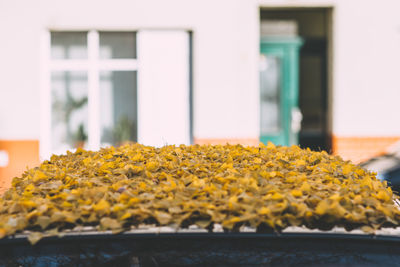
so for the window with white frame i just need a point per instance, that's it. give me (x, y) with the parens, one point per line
(103, 88)
(93, 89)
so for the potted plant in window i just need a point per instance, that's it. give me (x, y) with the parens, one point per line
(80, 137)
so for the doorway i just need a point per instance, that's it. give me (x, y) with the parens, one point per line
(312, 26)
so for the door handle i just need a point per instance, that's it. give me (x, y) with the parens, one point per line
(297, 117)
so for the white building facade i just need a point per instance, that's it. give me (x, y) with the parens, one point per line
(191, 71)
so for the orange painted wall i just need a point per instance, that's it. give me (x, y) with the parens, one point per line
(358, 149)
(25, 153)
(224, 141)
(22, 154)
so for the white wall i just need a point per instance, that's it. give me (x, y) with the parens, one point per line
(366, 64)
(163, 87)
(225, 54)
(19, 70)
(366, 41)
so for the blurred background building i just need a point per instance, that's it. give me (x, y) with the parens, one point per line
(322, 74)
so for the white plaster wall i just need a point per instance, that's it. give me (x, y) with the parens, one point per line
(225, 54)
(366, 56)
(163, 87)
(366, 88)
(19, 70)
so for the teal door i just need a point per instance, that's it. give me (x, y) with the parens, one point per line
(280, 117)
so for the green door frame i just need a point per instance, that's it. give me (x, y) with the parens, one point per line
(287, 49)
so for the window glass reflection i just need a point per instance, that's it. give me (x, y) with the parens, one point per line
(117, 45)
(69, 123)
(118, 111)
(270, 87)
(69, 45)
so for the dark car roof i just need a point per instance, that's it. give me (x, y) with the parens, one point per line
(382, 164)
(386, 162)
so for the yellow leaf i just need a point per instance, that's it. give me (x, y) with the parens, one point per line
(277, 196)
(38, 176)
(358, 199)
(335, 197)
(264, 211)
(270, 145)
(366, 181)
(257, 160)
(305, 187)
(133, 200)
(142, 186)
(86, 161)
(162, 217)
(233, 199)
(347, 169)
(118, 207)
(109, 223)
(127, 215)
(28, 204)
(102, 205)
(382, 195)
(2, 233)
(66, 204)
(230, 223)
(322, 207)
(296, 193)
(152, 166)
(360, 172)
(300, 162)
(368, 229)
(35, 237)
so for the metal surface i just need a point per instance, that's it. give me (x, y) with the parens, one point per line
(204, 249)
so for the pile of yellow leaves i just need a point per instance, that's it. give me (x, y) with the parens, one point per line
(267, 188)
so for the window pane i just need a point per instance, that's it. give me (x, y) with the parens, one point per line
(69, 110)
(117, 45)
(118, 102)
(270, 83)
(69, 45)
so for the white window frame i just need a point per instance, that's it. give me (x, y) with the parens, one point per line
(93, 65)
